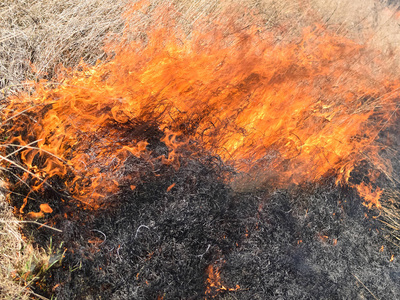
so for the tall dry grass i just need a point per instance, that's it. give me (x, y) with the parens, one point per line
(51, 32)
(38, 35)
(47, 33)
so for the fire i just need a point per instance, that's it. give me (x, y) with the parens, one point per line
(371, 197)
(291, 110)
(214, 285)
(44, 208)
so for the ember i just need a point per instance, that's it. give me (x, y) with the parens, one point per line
(214, 285)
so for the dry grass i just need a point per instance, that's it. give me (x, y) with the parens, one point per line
(47, 33)
(390, 216)
(21, 264)
(12, 256)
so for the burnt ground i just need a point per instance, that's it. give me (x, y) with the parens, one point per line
(314, 241)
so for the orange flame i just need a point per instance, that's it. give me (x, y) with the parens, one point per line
(214, 285)
(44, 208)
(370, 197)
(297, 109)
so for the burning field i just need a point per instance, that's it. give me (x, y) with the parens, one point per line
(216, 150)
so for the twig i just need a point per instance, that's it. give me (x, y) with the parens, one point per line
(16, 115)
(118, 253)
(137, 231)
(35, 148)
(2, 189)
(18, 166)
(10, 36)
(33, 222)
(201, 255)
(365, 287)
(105, 237)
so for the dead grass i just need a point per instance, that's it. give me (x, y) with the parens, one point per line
(46, 33)
(12, 256)
(390, 216)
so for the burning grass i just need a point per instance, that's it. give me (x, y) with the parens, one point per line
(237, 91)
(151, 140)
(43, 33)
